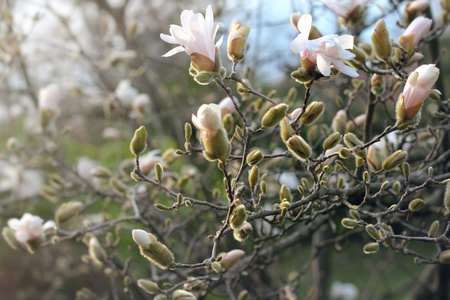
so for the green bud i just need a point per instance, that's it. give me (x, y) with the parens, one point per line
(365, 176)
(384, 185)
(339, 101)
(359, 162)
(371, 248)
(238, 217)
(241, 233)
(292, 94)
(447, 196)
(381, 43)
(148, 286)
(355, 215)
(10, 237)
(352, 141)
(285, 193)
(218, 147)
(339, 123)
(253, 176)
(188, 203)
(349, 223)
(117, 186)
(344, 153)
(139, 141)
(285, 204)
(372, 232)
(183, 295)
(161, 207)
(159, 254)
(263, 187)
(394, 160)
(217, 267)
(304, 76)
(357, 84)
(187, 131)
(396, 187)
(101, 172)
(332, 140)
(406, 169)
(416, 204)
(66, 211)
(433, 228)
(96, 251)
(159, 171)
(430, 171)
(444, 257)
(378, 84)
(274, 115)
(340, 182)
(243, 295)
(179, 198)
(286, 130)
(254, 157)
(299, 147)
(312, 113)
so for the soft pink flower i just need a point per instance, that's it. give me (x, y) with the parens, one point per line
(195, 37)
(344, 8)
(325, 51)
(419, 27)
(29, 227)
(418, 87)
(208, 120)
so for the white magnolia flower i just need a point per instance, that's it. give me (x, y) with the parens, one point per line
(49, 98)
(226, 106)
(125, 92)
(326, 51)
(343, 291)
(208, 120)
(29, 227)
(195, 37)
(344, 8)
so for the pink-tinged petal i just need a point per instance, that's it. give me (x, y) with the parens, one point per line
(298, 44)
(197, 123)
(323, 64)
(343, 68)
(419, 27)
(185, 17)
(346, 41)
(14, 223)
(219, 42)
(209, 17)
(175, 51)
(304, 25)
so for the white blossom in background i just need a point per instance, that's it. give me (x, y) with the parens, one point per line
(147, 161)
(196, 37)
(83, 168)
(29, 227)
(226, 106)
(125, 92)
(49, 98)
(326, 51)
(344, 8)
(343, 291)
(120, 56)
(289, 179)
(111, 133)
(22, 183)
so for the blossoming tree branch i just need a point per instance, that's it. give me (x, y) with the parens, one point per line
(273, 173)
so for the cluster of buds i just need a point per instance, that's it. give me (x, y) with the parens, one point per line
(239, 224)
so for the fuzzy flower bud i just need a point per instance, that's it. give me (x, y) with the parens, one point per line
(274, 115)
(394, 160)
(312, 113)
(139, 141)
(153, 250)
(148, 286)
(96, 251)
(352, 141)
(299, 147)
(67, 210)
(381, 43)
(228, 259)
(254, 157)
(238, 217)
(48, 104)
(236, 41)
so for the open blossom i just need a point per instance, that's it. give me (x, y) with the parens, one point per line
(419, 27)
(417, 89)
(48, 104)
(195, 37)
(29, 227)
(346, 8)
(326, 51)
(208, 119)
